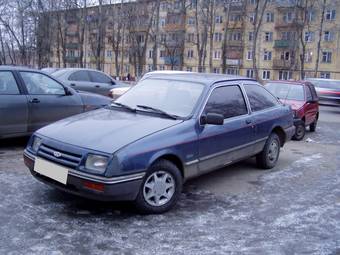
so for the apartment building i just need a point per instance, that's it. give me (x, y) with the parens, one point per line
(205, 36)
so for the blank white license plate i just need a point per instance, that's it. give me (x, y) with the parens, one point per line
(51, 170)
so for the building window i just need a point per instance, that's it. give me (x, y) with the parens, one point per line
(218, 20)
(250, 36)
(325, 75)
(309, 36)
(330, 14)
(268, 36)
(162, 54)
(285, 75)
(267, 55)
(191, 37)
(266, 75)
(217, 37)
(216, 70)
(161, 67)
(326, 57)
(269, 17)
(235, 17)
(308, 56)
(190, 54)
(109, 53)
(217, 54)
(189, 69)
(191, 21)
(285, 55)
(288, 17)
(250, 73)
(150, 53)
(310, 15)
(252, 2)
(233, 71)
(327, 36)
(251, 17)
(249, 55)
(162, 22)
(150, 68)
(236, 36)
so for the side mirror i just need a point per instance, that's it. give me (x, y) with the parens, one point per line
(68, 92)
(113, 83)
(312, 101)
(213, 119)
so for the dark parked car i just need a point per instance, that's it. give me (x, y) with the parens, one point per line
(328, 91)
(31, 99)
(88, 80)
(302, 97)
(163, 131)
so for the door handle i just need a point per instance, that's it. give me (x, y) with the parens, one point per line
(248, 122)
(73, 85)
(97, 86)
(34, 101)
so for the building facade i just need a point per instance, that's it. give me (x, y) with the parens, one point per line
(285, 39)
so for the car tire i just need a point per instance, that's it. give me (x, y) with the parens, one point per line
(300, 132)
(160, 189)
(312, 127)
(268, 157)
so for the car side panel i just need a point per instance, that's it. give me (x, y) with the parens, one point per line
(179, 141)
(14, 114)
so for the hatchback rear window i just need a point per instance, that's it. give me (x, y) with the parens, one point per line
(286, 91)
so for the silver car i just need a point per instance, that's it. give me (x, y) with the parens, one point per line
(88, 80)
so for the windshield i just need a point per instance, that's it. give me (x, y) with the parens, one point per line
(326, 84)
(286, 91)
(59, 73)
(173, 97)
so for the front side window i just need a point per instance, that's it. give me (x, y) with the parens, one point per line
(286, 91)
(40, 84)
(227, 101)
(308, 94)
(172, 96)
(8, 85)
(259, 98)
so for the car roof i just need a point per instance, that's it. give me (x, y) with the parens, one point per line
(289, 82)
(203, 78)
(18, 68)
(321, 79)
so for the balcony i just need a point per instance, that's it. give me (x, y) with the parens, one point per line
(172, 60)
(72, 46)
(71, 59)
(281, 44)
(233, 62)
(174, 27)
(293, 24)
(234, 44)
(284, 64)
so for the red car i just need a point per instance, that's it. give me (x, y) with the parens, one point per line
(302, 97)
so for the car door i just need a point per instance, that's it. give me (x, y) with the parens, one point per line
(13, 106)
(80, 80)
(311, 106)
(48, 100)
(102, 83)
(263, 107)
(220, 145)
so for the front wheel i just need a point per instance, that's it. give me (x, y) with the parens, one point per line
(160, 189)
(300, 132)
(268, 157)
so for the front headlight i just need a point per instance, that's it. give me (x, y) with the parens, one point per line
(96, 163)
(36, 143)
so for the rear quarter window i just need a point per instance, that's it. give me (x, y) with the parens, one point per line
(79, 76)
(259, 98)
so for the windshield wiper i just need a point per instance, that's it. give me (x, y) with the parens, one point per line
(171, 116)
(124, 106)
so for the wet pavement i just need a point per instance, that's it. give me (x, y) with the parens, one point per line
(292, 209)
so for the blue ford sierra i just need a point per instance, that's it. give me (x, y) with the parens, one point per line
(168, 128)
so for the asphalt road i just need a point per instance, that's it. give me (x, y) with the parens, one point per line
(292, 209)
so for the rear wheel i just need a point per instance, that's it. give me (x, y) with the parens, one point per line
(268, 157)
(300, 132)
(160, 189)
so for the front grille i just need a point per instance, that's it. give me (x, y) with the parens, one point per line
(64, 158)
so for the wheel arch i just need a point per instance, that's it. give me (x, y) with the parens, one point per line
(281, 133)
(170, 156)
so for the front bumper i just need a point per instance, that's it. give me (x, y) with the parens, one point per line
(122, 188)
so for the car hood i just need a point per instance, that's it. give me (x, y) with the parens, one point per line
(295, 104)
(105, 130)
